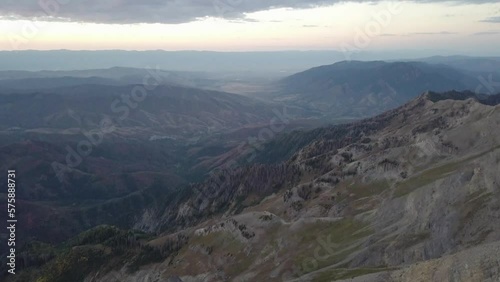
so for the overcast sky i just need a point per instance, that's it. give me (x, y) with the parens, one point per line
(468, 27)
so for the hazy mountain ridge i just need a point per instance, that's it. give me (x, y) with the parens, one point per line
(259, 62)
(31, 80)
(165, 110)
(360, 89)
(466, 63)
(255, 62)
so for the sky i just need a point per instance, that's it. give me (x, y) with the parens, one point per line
(467, 27)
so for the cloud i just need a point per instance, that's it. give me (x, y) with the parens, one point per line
(486, 33)
(433, 33)
(155, 11)
(145, 11)
(244, 20)
(491, 20)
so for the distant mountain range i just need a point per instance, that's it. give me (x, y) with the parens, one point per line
(468, 64)
(264, 63)
(362, 89)
(31, 80)
(165, 110)
(261, 62)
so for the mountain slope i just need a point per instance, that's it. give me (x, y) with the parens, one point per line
(360, 89)
(414, 190)
(396, 193)
(163, 111)
(28, 80)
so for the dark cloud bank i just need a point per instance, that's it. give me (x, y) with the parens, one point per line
(154, 11)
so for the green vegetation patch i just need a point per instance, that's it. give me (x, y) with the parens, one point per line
(223, 243)
(101, 248)
(340, 274)
(425, 178)
(73, 265)
(477, 201)
(428, 176)
(362, 190)
(333, 241)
